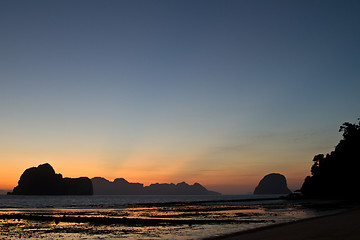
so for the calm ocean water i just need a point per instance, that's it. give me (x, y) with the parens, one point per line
(146, 217)
(109, 201)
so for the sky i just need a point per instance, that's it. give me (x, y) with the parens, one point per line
(216, 92)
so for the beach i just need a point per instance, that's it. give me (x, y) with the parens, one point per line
(345, 226)
(156, 217)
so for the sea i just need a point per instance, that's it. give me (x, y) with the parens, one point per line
(149, 217)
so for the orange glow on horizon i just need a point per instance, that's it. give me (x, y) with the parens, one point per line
(230, 177)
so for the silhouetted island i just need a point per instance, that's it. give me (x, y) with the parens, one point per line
(43, 180)
(273, 183)
(120, 186)
(336, 175)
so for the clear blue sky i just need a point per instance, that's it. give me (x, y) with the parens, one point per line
(218, 92)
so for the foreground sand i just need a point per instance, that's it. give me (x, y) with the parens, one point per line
(341, 226)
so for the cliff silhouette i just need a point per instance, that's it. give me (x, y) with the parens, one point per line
(43, 180)
(336, 175)
(120, 186)
(273, 183)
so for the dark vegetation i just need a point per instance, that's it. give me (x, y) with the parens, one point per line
(337, 175)
(273, 183)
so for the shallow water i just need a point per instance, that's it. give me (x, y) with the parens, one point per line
(110, 201)
(155, 217)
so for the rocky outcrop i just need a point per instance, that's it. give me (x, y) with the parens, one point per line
(43, 180)
(273, 183)
(120, 186)
(77, 186)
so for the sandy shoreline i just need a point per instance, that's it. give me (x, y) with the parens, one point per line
(342, 226)
(176, 220)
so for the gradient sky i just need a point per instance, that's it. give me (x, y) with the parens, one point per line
(216, 92)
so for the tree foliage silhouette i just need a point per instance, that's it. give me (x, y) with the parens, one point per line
(336, 175)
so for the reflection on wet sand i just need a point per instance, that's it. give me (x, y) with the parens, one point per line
(158, 221)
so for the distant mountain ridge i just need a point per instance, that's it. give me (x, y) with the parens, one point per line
(43, 180)
(120, 186)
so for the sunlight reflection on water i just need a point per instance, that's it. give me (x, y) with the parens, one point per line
(150, 221)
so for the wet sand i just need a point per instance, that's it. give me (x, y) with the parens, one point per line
(181, 221)
(344, 226)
